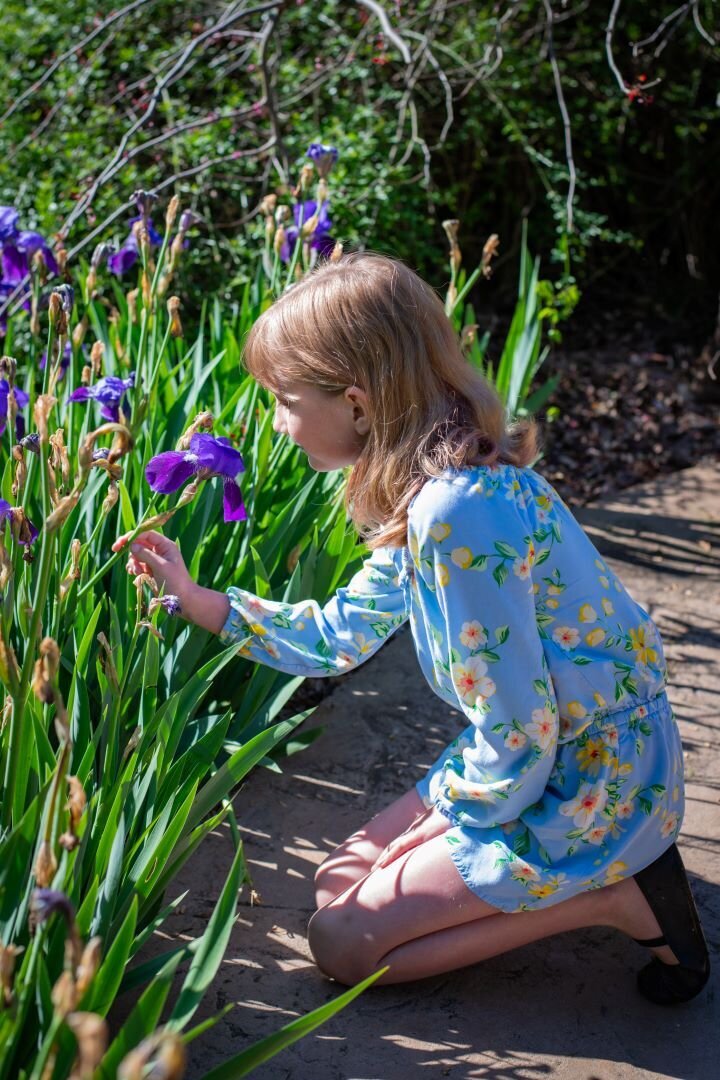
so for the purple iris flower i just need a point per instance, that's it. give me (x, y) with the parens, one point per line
(323, 157)
(108, 391)
(21, 398)
(9, 218)
(7, 511)
(169, 471)
(17, 253)
(171, 603)
(320, 239)
(125, 258)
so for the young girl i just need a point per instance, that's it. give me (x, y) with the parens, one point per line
(558, 805)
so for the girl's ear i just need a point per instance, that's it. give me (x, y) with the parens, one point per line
(357, 400)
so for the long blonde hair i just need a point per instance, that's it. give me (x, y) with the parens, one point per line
(370, 321)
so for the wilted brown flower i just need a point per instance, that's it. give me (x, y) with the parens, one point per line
(8, 956)
(166, 1049)
(268, 204)
(78, 334)
(111, 498)
(108, 662)
(132, 305)
(96, 358)
(62, 511)
(203, 422)
(43, 407)
(20, 469)
(64, 995)
(490, 250)
(173, 308)
(45, 865)
(337, 252)
(91, 1033)
(38, 265)
(172, 212)
(89, 964)
(452, 229)
(279, 239)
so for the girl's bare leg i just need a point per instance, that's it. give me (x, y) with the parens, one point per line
(418, 916)
(353, 859)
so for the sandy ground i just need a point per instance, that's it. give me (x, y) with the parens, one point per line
(564, 1008)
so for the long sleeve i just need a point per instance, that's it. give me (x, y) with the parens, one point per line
(307, 639)
(473, 551)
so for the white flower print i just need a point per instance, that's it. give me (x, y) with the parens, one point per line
(521, 567)
(255, 607)
(596, 835)
(470, 681)
(589, 801)
(543, 727)
(515, 740)
(624, 810)
(567, 637)
(522, 871)
(670, 824)
(473, 634)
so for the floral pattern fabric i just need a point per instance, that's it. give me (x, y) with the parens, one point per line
(568, 775)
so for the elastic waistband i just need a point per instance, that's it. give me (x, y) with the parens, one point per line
(650, 708)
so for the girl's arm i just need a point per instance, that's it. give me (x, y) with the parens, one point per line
(301, 638)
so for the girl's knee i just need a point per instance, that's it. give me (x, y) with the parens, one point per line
(340, 947)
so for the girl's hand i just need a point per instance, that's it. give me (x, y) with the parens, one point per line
(154, 554)
(428, 825)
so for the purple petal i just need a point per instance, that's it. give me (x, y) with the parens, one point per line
(33, 533)
(81, 394)
(14, 264)
(5, 509)
(9, 217)
(216, 454)
(30, 242)
(111, 412)
(233, 505)
(169, 471)
(21, 397)
(123, 260)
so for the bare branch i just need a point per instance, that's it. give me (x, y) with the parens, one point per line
(699, 26)
(565, 118)
(609, 31)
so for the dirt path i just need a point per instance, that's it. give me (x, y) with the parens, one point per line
(564, 1008)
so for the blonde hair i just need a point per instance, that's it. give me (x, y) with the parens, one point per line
(370, 321)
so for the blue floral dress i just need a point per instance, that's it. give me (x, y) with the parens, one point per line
(568, 775)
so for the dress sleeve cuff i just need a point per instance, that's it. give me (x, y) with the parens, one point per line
(237, 624)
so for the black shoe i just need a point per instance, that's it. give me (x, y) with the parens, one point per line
(667, 890)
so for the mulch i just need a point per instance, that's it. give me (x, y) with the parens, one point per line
(626, 415)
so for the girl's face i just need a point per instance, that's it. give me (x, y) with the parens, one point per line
(330, 428)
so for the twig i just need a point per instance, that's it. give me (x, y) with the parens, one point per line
(609, 31)
(565, 119)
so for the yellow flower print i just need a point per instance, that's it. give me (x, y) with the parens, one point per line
(600, 565)
(625, 769)
(592, 756)
(460, 788)
(473, 634)
(641, 643)
(531, 553)
(308, 613)
(443, 575)
(604, 582)
(257, 628)
(543, 502)
(552, 603)
(299, 625)
(462, 557)
(615, 872)
(536, 588)
(607, 606)
(554, 590)
(541, 891)
(440, 531)
(576, 709)
(566, 637)
(587, 613)
(600, 700)
(414, 545)
(471, 682)
(596, 636)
